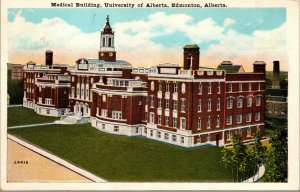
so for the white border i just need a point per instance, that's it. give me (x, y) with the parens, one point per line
(292, 7)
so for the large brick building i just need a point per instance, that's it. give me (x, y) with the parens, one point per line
(186, 106)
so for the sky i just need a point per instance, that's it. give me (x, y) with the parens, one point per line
(148, 37)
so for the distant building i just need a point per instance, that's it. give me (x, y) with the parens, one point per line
(185, 106)
(17, 72)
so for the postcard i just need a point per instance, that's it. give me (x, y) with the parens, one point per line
(149, 95)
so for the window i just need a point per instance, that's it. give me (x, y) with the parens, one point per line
(103, 42)
(152, 101)
(48, 111)
(249, 117)
(109, 42)
(248, 131)
(48, 101)
(103, 112)
(198, 139)
(152, 119)
(218, 121)
(159, 120)
(151, 133)
(116, 114)
(209, 105)
(259, 86)
(240, 87)
(152, 86)
(208, 138)
(199, 106)
(229, 103)
(78, 91)
(199, 123)
(209, 88)
(239, 118)
(167, 87)
(228, 135)
(219, 87)
(229, 87)
(229, 120)
(175, 87)
(116, 128)
(175, 122)
(167, 121)
(183, 88)
(182, 105)
(146, 116)
(183, 123)
(208, 122)
(167, 103)
(258, 101)
(174, 105)
(158, 134)
(166, 136)
(250, 86)
(239, 102)
(257, 116)
(200, 88)
(159, 86)
(219, 104)
(174, 138)
(103, 126)
(145, 131)
(249, 101)
(182, 140)
(159, 103)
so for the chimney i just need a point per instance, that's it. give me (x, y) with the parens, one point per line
(191, 56)
(49, 58)
(259, 67)
(276, 75)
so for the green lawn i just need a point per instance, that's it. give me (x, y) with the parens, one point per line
(24, 116)
(122, 158)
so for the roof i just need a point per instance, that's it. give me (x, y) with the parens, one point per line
(168, 65)
(102, 62)
(107, 29)
(259, 63)
(31, 63)
(226, 63)
(49, 51)
(231, 68)
(191, 46)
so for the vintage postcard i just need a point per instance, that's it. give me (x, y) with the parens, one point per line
(149, 95)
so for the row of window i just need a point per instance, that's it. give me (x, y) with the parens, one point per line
(240, 101)
(115, 114)
(165, 135)
(242, 87)
(239, 118)
(84, 92)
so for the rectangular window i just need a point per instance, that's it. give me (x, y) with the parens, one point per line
(229, 103)
(183, 105)
(103, 112)
(229, 87)
(182, 140)
(228, 135)
(48, 111)
(239, 102)
(152, 101)
(208, 123)
(249, 117)
(167, 103)
(158, 134)
(239, 118)
(159, 120)
(167, 121)
(199, 123)
(166, 136)
(174, 105)
(174, 122)
(199, 106)
(146, 116)
(167, 87)
(250, 86)
(248, 131)
(219, 87)
(219, 104)
(229, 120)
(152, 118)
(218, 121)
(159, 86)
(116, 114)
(116, 128)
(240, 87)
(145, 131)
(257, 116)
(209, 88)
(151, 133)
(159, 103)
(174, 138)
(183, 123)
(209, 105)
(175, 87)
(249, 101)
(259, 86)
(200, 88)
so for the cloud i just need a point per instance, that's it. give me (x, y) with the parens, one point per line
(135, 41)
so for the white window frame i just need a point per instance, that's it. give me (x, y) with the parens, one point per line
(258, 100)
(200, 89)
(152, 118)
(209, 88)
(200, 106)
(167, 104)
(159, 103)
(174, 122)
(182, 123)
(219, 87)
(230, 87)
(167, 121)
(229, 120)
(175, 87)
(159, 119)
(117, 115)
(240, 102)
(229, 103)
(240, 87)
(183, 105)
(167, 87)
(199, 123)
(209, 105)
(116, 128)
(218, 122)
(208, 125)
(249, 117)
(239, 118)
(249, 101)
(219, 104)
(257, 116)
(174, 138)
(250, 86)
(104, 113)
(175, 105)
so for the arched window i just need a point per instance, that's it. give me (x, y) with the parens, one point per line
(103, 41)
(249, 101)
(109, 42)
(240, 102)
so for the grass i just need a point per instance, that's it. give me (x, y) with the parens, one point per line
(122, 158)
(24, 116)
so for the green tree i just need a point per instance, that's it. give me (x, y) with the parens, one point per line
(277, 157)
(227, 160)
(15, 91)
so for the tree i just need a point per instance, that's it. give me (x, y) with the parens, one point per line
(277, 157)
(227, 160)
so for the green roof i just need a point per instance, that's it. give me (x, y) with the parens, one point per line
(191, 46)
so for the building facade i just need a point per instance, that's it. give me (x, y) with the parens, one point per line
(185, 106)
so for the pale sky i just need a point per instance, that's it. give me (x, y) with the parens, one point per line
(148, 37)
